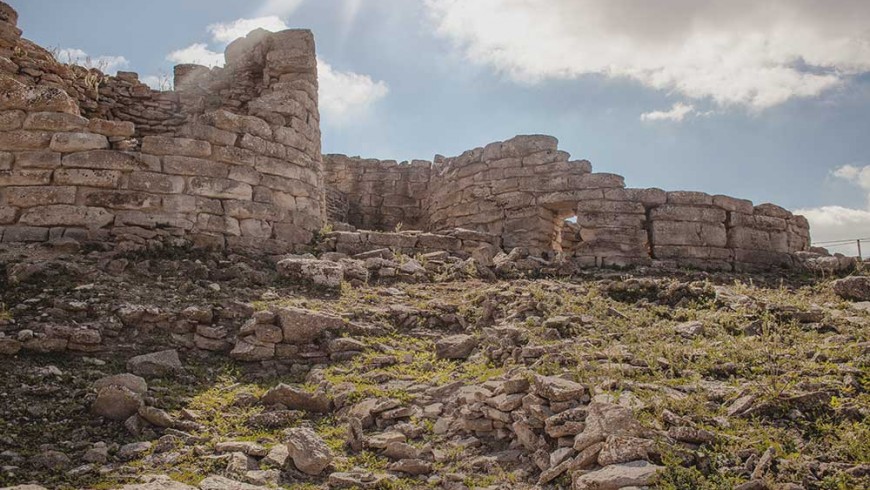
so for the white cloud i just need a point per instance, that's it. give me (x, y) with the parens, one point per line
(282, 8)
(198, 54)
(740, 52)
(841, 223)
(106, 64)
(677, 113)
(228, 32)
(345, 94)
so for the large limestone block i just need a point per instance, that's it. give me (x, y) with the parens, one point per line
(66, 215)
(155, 364)
(523, 145)
(284, 103)
(87, 177)
(238, 124)
(165, 145)
(224, 225)
(211, 134)
(37, 159)
(104, 160)
(754, 239)
(55, 121)
(24, 177)
(119, 129)
(22, 140)
(303, 326)
(155, 182)
(611, 220)
(10, 120)
(253, 210)
(677, 252)
(617, 207)
(733, 204)
(117, 199)
(309, 452)
(690, 198)
(688, 233)
(678, 212)
(194, 166)
(16, 95)
(596, 181)
(34, 196)
(75, 142)
(220, 188)
(648, 197)
(773, 211)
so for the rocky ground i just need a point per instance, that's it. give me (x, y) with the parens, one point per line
(428, 372)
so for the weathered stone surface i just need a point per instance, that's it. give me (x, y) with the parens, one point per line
(116, 402)
(220, 188)
(855, 288)
(74, 142)
(163, 145)
(248, 350)
(122, 129)
(319, 273)
(156, 364)
(297, 399)
(16, 95)
(308, 451)
(54, 121)
(67, 215)
(455, 347)
(104, 159)
(303, 326)
(633, 474)
(558, 389)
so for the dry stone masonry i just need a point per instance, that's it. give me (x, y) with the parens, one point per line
(231, 158)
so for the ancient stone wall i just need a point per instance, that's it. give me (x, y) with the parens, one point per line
(232, 157)
(381, 195)
(523, 190)
(237, 162)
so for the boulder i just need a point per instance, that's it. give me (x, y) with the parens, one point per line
(455, 347)
(308, 451)
(116, 403)
(633, 474)
(156, 364)
(558, 389)
(296, 399)
(303, 326)
(319, 273)
(855, 288)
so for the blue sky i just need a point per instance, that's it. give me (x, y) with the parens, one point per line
(768, 101)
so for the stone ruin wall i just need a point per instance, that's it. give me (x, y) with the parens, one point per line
(521, 191)
(230, 158)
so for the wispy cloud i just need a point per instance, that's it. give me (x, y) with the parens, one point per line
(228, 32)
(839, 222)
(676, 113)
(345, 94)
(197, 54)
(741, 53)
(106, 64)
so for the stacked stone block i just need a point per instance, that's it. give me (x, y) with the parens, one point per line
(519, 190)
(613, 226)
(381, 195)
(246, 178)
